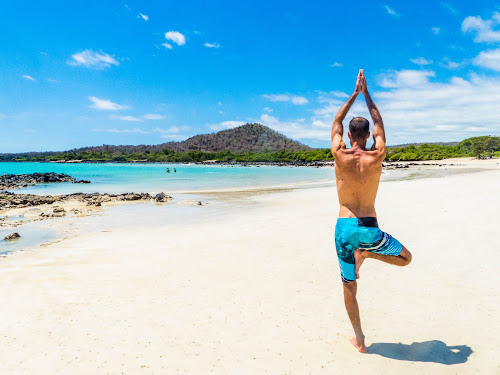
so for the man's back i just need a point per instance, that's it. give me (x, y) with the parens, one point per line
(357, 173)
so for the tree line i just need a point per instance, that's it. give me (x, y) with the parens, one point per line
(481, 147)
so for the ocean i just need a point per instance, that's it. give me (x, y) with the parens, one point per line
(153, 178)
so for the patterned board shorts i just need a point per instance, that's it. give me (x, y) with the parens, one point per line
(361, 233)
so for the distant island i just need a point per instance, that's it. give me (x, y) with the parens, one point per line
(251, 143)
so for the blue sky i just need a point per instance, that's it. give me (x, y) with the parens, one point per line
(88, 73)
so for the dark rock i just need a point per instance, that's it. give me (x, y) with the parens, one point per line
(199, 204)
(132, 197)
(12, 236)
(11, 200)
(163, 198)
(15, 181)
(81, 182)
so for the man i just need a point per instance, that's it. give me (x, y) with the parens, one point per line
(357, 172)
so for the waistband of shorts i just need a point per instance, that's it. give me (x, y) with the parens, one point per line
(369, 222)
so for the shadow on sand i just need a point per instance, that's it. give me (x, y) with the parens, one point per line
(429, 351)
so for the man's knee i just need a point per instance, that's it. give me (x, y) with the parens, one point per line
(350, 288)
(406, 255)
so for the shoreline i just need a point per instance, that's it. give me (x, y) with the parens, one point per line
(84, 203)
(13, 218)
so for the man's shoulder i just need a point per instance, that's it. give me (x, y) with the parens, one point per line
(370, 156)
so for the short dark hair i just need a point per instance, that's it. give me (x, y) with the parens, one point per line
(359, 127)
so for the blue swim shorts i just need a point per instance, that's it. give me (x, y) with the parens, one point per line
(361, 233)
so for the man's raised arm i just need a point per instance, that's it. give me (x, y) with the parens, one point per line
(338, 127)
(378, 124)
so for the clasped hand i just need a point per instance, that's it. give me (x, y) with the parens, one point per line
(361, 84)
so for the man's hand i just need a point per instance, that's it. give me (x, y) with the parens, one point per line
(364, 87)
(358, 87)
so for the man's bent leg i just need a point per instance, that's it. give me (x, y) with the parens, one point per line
(403, 259)
(351, 305)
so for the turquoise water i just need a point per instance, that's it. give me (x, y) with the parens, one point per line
(124, 177)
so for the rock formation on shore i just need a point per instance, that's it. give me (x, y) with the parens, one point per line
(12, 236)
(10, 200)
(16, 181)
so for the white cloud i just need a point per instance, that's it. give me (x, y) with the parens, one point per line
(172, 129)
(133, 131)
(450, 8)
(415, 113)
(167, 45)
(129, 118)
(299, 100)
(29, 78)
(406, 78)
(277, 97)
(294, 99)
(212, 45)
(296, 129)
(172, 133)
(451, 65)
(92, 59)
(337, 65)
(488, 59)
(339, 94)
(421, 61)
(153, 116)
(147, 116)
(268, 110)
(226, 125)
(391, 11)
(484, 29)
(436, 30)
(414, 109)
(104, 104)
(175, 37)
(143, 16)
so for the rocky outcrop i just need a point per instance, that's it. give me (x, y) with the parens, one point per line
(16, 181)
(10, 200)
(162, 198)
(12, 236)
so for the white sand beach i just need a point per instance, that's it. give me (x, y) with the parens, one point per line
(258, 291)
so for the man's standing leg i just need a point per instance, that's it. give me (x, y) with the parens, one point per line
(351, 305)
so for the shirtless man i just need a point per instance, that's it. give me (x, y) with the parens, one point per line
(357, 171)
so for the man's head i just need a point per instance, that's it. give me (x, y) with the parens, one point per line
(359, 130)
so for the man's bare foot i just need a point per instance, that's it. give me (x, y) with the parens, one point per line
(359, 257)
(359, 344)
